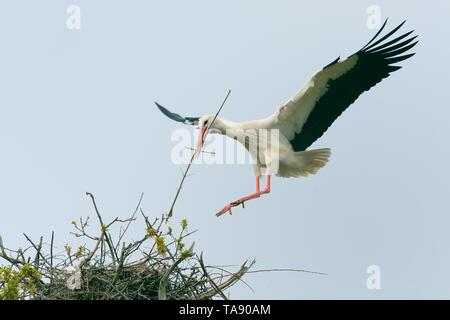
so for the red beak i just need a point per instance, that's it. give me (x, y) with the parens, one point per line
(201, 140)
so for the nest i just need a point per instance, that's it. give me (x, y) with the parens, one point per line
(159, 265)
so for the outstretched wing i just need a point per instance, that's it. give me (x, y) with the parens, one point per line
(305, 117)
(176, 117)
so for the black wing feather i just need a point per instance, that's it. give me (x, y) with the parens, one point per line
(176, 117)
(373, 65)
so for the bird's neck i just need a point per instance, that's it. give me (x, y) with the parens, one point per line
(222, 125)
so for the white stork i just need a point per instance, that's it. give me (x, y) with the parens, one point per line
(305, 117)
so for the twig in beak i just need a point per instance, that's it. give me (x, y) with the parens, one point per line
(203, 151)
(170, 212)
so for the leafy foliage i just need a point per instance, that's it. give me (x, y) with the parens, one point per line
(19, 283)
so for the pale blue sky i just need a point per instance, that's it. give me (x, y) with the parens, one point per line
(77, 115)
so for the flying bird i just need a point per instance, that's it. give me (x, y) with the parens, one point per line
(305, 117)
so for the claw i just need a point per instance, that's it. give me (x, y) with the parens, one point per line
(224, 210)
(228, 207)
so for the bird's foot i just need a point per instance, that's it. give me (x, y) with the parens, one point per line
(226, 209)
(236, 203)
(240, 201)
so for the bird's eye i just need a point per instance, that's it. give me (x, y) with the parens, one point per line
(205, 123)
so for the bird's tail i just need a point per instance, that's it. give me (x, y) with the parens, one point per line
(304, 163)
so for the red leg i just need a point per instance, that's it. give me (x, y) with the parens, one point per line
(267, 189)
(255, 195)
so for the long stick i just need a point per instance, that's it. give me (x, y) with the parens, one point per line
(192, 159)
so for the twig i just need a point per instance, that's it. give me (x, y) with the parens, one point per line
(162, 292)
(211, 281)
(287, 270)
(5, 256)
(131, 219)
(229, 282)
(213, 153)
(104, 229)
(38, 251)
(91, 254)
(170, 212)
(51, 256)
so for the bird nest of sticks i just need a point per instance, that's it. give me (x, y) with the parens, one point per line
(159, 265)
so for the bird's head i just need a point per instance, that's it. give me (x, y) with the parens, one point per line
(208, 124)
